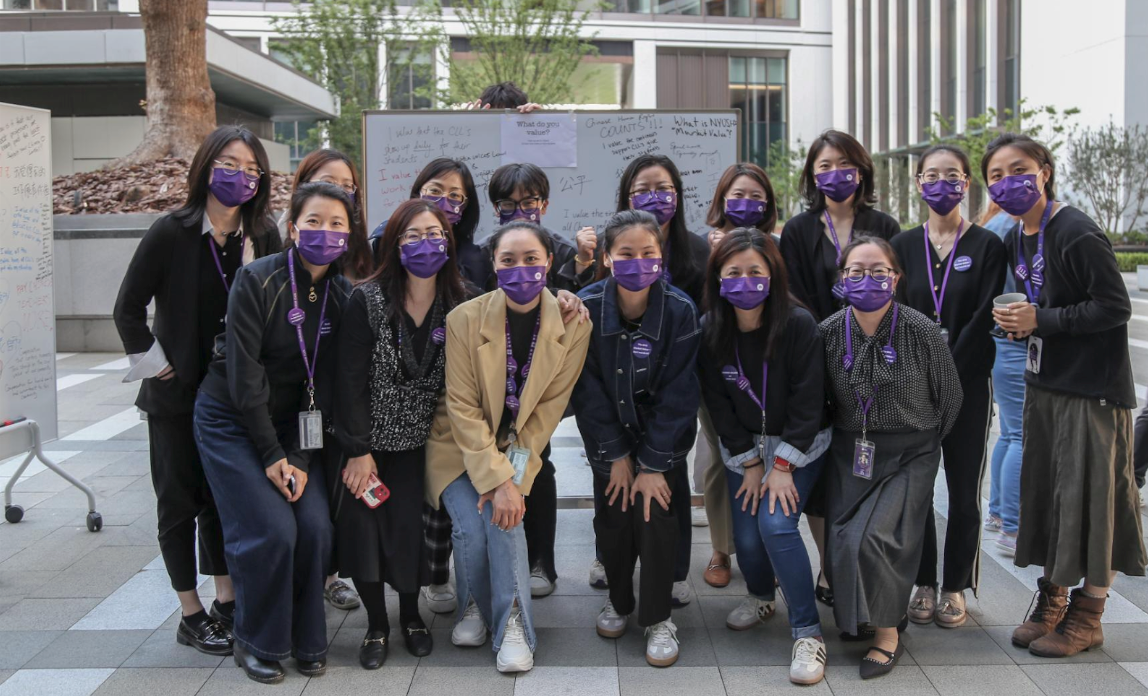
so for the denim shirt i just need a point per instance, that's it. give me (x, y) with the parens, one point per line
(629, 405)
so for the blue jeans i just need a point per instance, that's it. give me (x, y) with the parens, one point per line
(491, 566)
(278, 552)
(1008, 389)
(764, 537)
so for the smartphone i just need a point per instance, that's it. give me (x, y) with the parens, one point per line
(377, 492)
(291, 485)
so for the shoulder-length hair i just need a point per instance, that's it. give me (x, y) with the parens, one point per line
(464, 230)
(358, 262)
(313, 189)
(716, 215)
(391, 276)
(855, 152)
(721, 325)
(1031, 149)
(254, 214)
(682, 265)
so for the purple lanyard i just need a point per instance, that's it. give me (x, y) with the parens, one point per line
(1022, 272)
(865, 405)
(833, 234)
(513, 389)
(309, 364)
(219, 266)
(888, 351)
(743, 381)
(938, 300)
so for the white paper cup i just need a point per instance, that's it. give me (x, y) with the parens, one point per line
(1003, 301)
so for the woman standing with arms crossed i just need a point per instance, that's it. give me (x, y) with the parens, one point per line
(896, 394)
(953, 270)
(511, 365)
(187, 263)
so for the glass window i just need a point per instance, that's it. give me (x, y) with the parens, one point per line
(17, 4)
(294, 134)
(776, 9)
(729, 8)
(49, 4)
(632, 6)
(758, 87)
(408, 80)
(678, 7)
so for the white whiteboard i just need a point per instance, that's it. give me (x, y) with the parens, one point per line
(398, 144)
(27, 314)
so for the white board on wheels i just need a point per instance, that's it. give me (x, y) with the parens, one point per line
(27, 312)
(398, 144)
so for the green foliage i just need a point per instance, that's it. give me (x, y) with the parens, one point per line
(784, 165)
(1129, 260)
(1109, 168)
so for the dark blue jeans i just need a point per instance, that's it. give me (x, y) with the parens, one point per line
(760, 538)
(278, 552)
(680, 491)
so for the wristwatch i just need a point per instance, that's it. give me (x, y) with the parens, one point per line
(780, 464)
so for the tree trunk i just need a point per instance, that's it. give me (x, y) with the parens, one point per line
(180, 101)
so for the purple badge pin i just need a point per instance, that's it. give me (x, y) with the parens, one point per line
(511, 365)
(962, 263)
(526, 371)
(512, 403)
(1037, 278)
(642, 348)
(847, 360)
(839, 290)
(438, 335)
(1022, 272)
(890, 354)
(729, 372)
(325, 328)
(743, 383)
(1038, 263)
(296, 316)
(511, 386)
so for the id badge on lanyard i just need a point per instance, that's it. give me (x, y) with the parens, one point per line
(1035, 352)
(311, 430)
(518, 456)
(863, 450)
(311, 420)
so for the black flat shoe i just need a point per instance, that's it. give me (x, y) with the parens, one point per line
(871, 669)
(206, 635)
(373, 652)
(226, 619)
(868, 632)
(311, 668)
(823, 594)
(418, 638)
(257, 669)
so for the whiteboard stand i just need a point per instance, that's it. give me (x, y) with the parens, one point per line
(15, 513)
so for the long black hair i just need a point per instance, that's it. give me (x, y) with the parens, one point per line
(721, 324)
(682, 265)
(866, 195)
(464, 230)
(254, 214)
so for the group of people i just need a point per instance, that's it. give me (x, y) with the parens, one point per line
(324, 404)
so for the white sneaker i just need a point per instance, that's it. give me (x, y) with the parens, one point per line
(611, 624)
(540, 585)
(514, 655)
(808, 665)
(662, 644)
(698, 517)
(680, 596)
(993, 523)
(749, 613)
(598, 575)
(471, 631)
(440, 598)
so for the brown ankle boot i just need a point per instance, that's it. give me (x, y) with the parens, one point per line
(1051, 601)
(1079, 631)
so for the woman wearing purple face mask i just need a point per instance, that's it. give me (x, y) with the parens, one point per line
(511, 364)
(895, 395)
(953, 270)
(392, 371)
(260, 421)
(762, 378)
(636, 403)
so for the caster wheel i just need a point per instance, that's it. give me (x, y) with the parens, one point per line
(95, 522)
(13, 513)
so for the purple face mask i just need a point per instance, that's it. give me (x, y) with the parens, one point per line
(868, 294)
(232, 189)
(745, 293)
(661, 204)
(1015, 194)
(518, 214)
(942, 196)
(522, 283)
(838, 184)
(321, 247)
(452, 210)
(637, 274)
(424, 258)
(744, 212)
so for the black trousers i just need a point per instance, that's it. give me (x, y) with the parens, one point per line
(541, 520)
(964, 452)
(184, 503)
(624, 537)
(1140, 448)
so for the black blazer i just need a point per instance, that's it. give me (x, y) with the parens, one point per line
(165, 267)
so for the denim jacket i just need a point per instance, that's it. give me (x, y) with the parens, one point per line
(643, 407)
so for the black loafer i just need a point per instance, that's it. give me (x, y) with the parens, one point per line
(206, 635)
(871, 669)
(823, 594)
(373, 651)
(227, 620)
(418, 638)
(311, 668)
(258, 669)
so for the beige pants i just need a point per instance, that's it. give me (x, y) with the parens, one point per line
(709, 475)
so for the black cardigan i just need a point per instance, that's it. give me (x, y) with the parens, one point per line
(806, 252)
(165, 267)
(967, 312)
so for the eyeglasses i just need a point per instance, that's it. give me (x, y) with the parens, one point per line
(664, 188)
(854, 274)
(231, 168)
(437, 192)
(933, 177)
(526, 205)
(414, 236)
(349, 188)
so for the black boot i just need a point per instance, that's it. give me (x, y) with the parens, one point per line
(311, 668)
(373, 652)
(418, 638)
(258, 669)
(205, 634)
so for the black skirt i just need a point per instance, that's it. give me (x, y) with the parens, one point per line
(387, 543)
